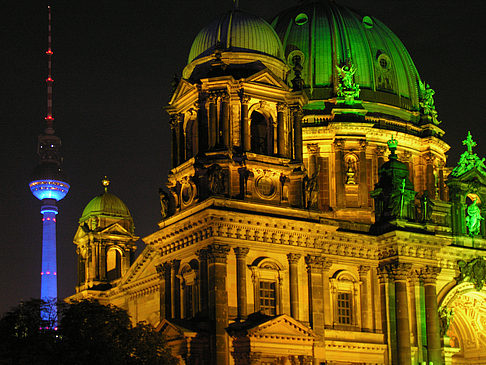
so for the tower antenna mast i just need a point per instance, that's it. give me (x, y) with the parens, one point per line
(49, 81)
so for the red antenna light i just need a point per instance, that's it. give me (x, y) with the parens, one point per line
(49, 81)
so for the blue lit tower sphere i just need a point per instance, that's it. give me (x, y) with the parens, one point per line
(49, 184)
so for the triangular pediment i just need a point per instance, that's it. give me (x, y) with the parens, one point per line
(116, 229)
(266, 77)
(183, 88)
(172, 331)
(282, 325)
(474, 174)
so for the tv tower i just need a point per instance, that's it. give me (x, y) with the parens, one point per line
(49, 184)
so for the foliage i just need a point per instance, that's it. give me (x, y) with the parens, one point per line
(88, 333)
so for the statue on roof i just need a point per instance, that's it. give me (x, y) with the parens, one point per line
(427, 102)
(347, 88)
(468, 159)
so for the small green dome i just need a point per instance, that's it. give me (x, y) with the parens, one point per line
(237, 31)
(327, 35)
(106, 205)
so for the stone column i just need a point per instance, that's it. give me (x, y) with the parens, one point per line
(241, 253)
(175, 289)
(400, 273)
(218, 302)
(245, 125)
(202, 124)
(163, 271)
(315, 265)
(297, 124)
(328, 317)
(203, 275)
(174, 144)
(383, 279)
(225, 116)
(412, 281)
(294, 284)
(380, 154)
(339, 171)
(429, 276)
(182, 138)
(429, 174)
(313, 163)
(281, 130)
(363, 174)
(366, 317)
(442, 190)
(213, 121)
(103, 251)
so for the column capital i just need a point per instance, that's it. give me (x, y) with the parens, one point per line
(429, 274)
(380, 151)
(244, 98)
(163, 269)
(315, 263)
(313, 148)
(225, 97)
(363, 143)
(174, 264)
(293, 257)
(202, 254)
(429, 157)
(363, 270)
(241, 252)
(339, 143)
(281, 107)
(399, 271)
(218, 253)
(296, 108)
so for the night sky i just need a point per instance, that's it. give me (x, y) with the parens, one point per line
(113, 64)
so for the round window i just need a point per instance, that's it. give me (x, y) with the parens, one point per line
(367, 22)
(384, 62)
(301, 19)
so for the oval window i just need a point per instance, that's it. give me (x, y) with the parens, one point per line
(367, 22)
(301, 19)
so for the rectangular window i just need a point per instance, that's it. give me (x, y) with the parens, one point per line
(344, 308)
(268, 298)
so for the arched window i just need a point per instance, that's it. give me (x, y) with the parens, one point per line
(261, 134)
(191, 138)
(190, 291)
(266, 275)
(113, 264)
(344, 288)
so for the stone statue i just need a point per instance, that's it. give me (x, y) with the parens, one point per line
(427, 101)
(473, 219)
(312, 190)
(164, 203)
(425, 207)
(216, 179)
(445, 318)
(350, 174)
(347, 88)
(473, 271)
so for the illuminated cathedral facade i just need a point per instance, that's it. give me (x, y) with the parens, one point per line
(310, 216)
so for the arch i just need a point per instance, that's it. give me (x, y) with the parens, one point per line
(114, 263)
(467, 326)
(191, 136)
(262, 133)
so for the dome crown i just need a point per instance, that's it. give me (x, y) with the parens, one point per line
(236, 31)
(106, 205)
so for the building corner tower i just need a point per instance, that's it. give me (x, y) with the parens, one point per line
(49, 184)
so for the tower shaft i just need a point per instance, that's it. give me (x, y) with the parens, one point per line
(49, 265)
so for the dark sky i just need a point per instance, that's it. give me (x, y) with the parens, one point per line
(113, 63)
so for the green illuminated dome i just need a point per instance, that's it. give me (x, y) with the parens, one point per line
(326, 35)
(106, 205)
(237, 31)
